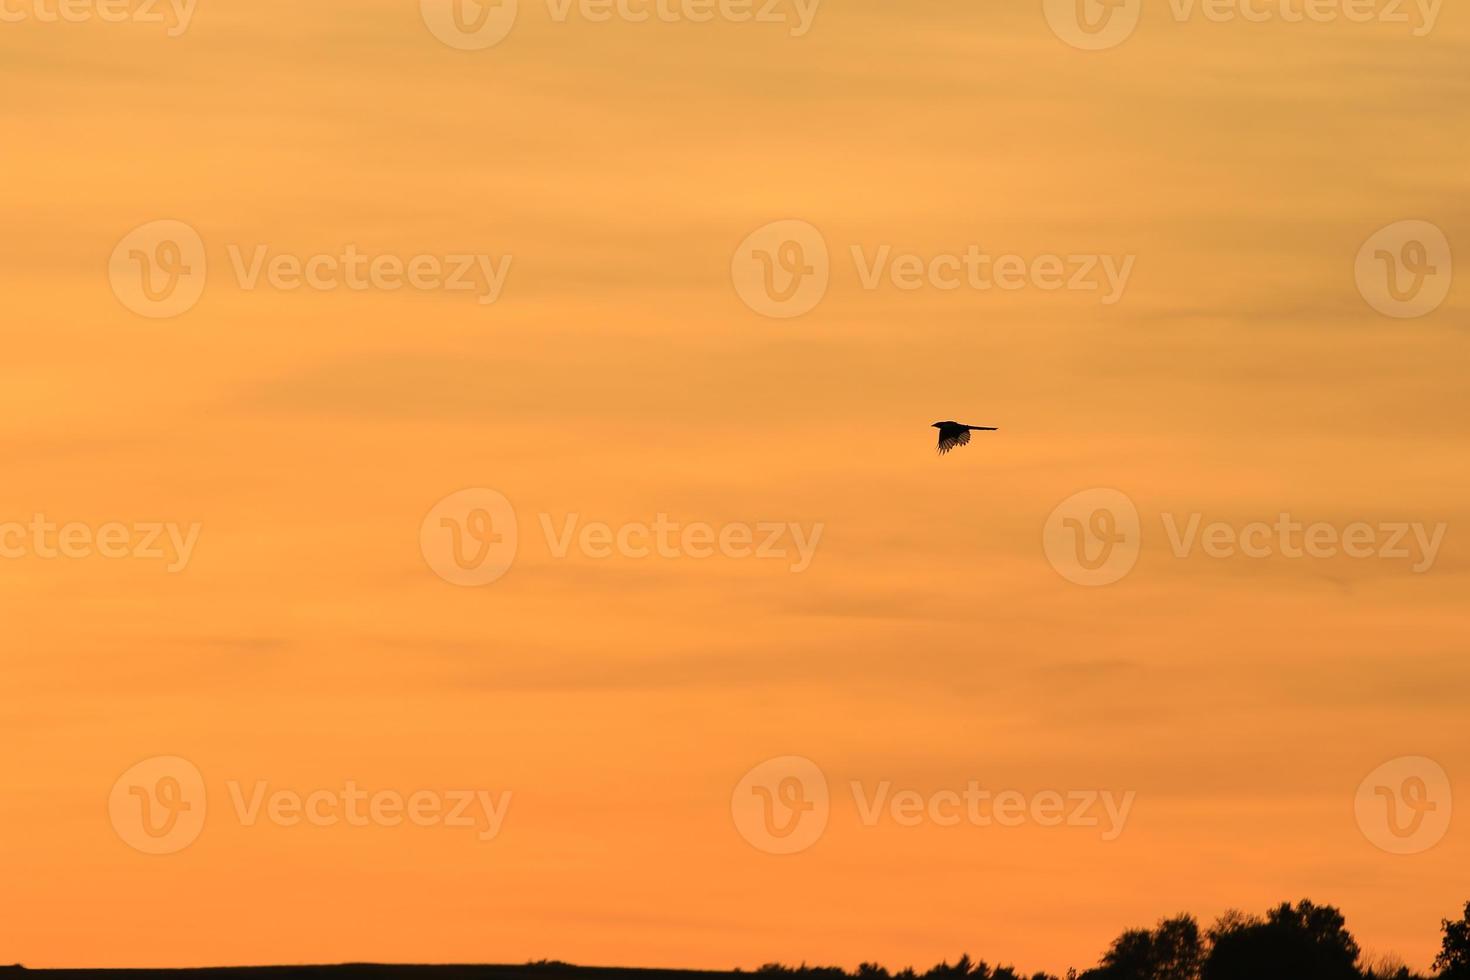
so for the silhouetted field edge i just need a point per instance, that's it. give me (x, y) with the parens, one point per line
(1305, 941)
(441, 970)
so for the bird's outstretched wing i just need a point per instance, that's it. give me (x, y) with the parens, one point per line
(950, 438)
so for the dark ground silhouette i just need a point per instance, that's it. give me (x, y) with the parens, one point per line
(1290, 942)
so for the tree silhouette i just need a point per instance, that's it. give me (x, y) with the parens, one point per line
(1305, 942)
(960, 971)
(1387, 966)
(1172, 951)
(1453, 961)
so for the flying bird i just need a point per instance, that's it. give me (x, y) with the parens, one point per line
(952, 434)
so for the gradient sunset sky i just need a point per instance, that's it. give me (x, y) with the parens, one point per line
(307, 642)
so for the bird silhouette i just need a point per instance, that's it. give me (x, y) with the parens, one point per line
(952, 434)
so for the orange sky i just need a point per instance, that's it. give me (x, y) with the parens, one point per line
(306, 642)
